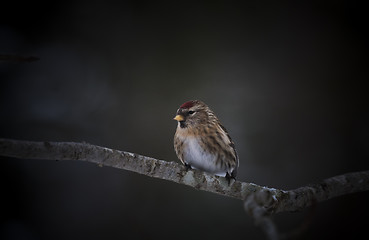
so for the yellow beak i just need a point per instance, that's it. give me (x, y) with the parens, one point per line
(178, 118)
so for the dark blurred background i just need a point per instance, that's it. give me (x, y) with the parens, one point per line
(287, 80)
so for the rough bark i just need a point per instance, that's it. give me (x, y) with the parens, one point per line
(268, 200)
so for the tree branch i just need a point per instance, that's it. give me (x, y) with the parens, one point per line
(270, 199)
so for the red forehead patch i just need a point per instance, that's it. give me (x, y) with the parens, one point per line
(187, 104)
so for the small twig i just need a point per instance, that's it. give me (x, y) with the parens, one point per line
(256, 206)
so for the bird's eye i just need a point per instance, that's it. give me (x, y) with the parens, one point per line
(191, 112)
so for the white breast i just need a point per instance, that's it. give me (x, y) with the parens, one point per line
(195, 155)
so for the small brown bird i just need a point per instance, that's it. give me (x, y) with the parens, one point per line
(201, 142)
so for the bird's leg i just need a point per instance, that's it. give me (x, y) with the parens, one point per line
(188, 166)
(229, 177)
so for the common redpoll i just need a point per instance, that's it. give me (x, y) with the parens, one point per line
(201, 142)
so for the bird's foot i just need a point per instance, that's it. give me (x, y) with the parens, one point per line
(229, 177)
(188, 166)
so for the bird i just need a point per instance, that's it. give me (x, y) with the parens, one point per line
(202, 142)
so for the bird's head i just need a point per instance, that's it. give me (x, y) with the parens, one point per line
(192, 113)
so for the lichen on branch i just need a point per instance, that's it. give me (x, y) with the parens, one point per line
(270, 199)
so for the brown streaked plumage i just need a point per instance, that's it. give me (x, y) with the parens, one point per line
(202, 142)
